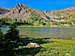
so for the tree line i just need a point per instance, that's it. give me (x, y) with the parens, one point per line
(34, 20)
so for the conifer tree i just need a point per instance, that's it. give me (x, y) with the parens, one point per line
(12, 37)
(12, 34)
(1, 35)
(2, 43)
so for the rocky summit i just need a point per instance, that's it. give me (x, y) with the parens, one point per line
(20, 11)
(64, 16)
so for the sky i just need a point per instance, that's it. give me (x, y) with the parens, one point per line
(44, 5)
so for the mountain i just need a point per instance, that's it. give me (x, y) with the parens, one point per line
(64, 17)
(22, 12)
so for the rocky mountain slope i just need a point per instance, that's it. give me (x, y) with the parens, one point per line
(20, 11)
(55, 17)
(64, 17)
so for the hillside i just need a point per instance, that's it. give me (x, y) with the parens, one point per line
(63, 17)
(24, 14)
(19, 12)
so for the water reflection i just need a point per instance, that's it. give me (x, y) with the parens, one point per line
(46, 32)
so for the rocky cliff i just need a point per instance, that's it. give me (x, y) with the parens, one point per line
(20, 11)
(55, 17)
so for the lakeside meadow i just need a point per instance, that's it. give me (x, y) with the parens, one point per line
(13, 43)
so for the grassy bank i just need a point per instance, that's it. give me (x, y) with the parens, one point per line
(60, 26)
(25, 26)
(48, 47)
(32, 26)
(47, 26)
(41, 26)
(58, 47)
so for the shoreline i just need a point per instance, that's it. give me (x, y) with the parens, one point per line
(41, 26)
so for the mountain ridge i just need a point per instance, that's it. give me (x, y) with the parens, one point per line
(22, 6)
(23, 12)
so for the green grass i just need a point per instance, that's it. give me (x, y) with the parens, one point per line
(32, 26)
(58, 26)
(47, 26)
(26, 26)
(61, 26)
(58, 47)
(48, 47)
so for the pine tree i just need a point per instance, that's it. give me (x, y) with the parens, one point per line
(12, 37)
(1, 35)
(2, 43)
(13, 33)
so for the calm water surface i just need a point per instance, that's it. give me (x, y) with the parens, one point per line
(46, 32)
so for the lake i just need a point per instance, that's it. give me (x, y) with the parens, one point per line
(44, 32)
